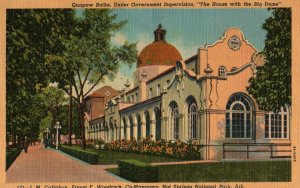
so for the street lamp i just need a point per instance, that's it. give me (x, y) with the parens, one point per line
(47, 131)
(57, 126)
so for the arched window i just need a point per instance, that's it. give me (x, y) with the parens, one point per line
(234, 68)
(222, 71)
(277, 124)
(239, 117)
(174, 121)
(192, 121)
(191, 117)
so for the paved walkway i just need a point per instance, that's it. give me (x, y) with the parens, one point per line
(49, 165)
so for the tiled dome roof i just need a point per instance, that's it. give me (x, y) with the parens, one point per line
(159, 52)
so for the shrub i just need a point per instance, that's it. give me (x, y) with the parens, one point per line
(90, 143)
(177, 149)
(84, 155)
(11, 155)
(137, 171)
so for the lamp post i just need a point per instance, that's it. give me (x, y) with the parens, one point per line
(47, 131)
(57, 126)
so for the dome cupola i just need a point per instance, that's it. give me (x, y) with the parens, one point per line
(159, 52)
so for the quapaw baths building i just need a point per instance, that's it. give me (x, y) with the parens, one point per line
(203, 98)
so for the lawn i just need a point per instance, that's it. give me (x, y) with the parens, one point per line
(256, 171)
(111, 157)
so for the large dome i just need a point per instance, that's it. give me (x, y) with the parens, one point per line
(159, 52)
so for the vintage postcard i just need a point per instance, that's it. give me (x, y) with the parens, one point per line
(150, 94)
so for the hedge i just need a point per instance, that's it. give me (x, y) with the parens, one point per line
(137, 171)
(84, 155)
(189, 150)
(11, 155)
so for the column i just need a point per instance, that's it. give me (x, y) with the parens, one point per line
(153, 129)
(164, 128)
(122, 132)
(182, 128)
(115, 133)
(107, 136)
(135, 131)
(128, 132)
(143, 129)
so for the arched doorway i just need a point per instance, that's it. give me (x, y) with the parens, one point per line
(147, 119)
(131, 126)
(139, 126)
(157, 123)
(124, 128)
(111, 128)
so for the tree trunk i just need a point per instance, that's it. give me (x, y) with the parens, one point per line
(70, 117)
(19, 140)
(81, 123)
(14, 138)
(7, 140)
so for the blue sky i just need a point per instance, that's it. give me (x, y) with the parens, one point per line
(187, 29)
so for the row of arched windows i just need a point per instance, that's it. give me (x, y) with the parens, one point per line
(130, 124)
(239, 116)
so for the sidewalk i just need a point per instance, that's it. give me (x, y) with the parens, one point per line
(49, 165)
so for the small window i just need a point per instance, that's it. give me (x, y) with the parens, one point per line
(128, 99)
(136, 97)
(150, 92)
(168, 82)
(158, 89)
(221, 71)
(234, 69)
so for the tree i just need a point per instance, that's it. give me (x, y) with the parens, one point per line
(31, 33)
(89, 57)
(52, 99)
(272, 85)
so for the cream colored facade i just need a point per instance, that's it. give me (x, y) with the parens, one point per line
(203, 99)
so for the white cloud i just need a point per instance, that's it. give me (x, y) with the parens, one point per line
(118, 82)
(119, 39)
(186, 51)
(143, 40)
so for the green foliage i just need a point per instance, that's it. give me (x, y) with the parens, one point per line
(272, 85)
(53, 45)
(11, 155)
(137, 171)
(88, 56)
(178, 149)
(31, 33)
(85, 155)
(112, 157)
(241, 171)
